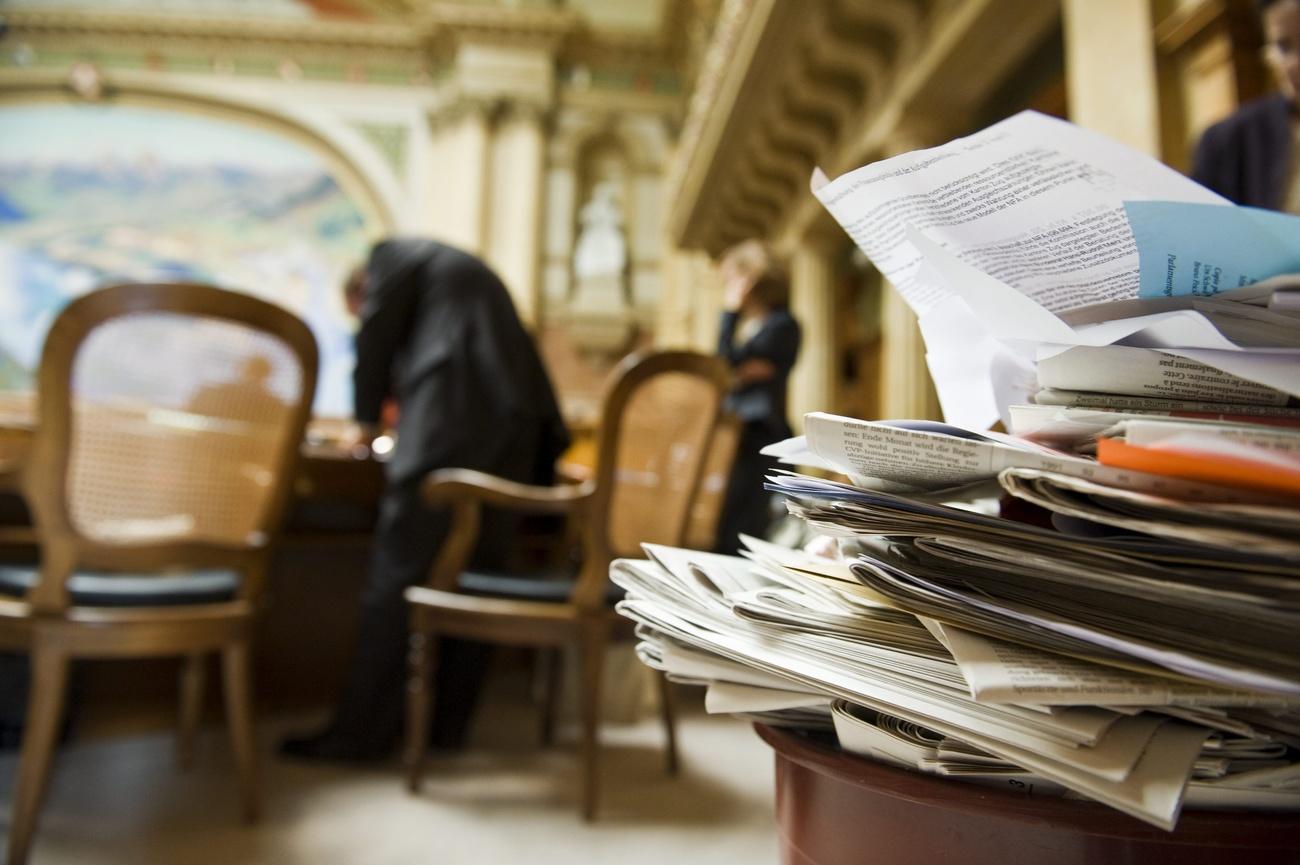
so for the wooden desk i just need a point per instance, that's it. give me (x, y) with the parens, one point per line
(834, 808)
(329, 476)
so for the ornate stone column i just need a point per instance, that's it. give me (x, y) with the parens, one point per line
(494, 158)
(1110, 68)
(812, 302)
(690, 302)
(458, 202)
(515, 211)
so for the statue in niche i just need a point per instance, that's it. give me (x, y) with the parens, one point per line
(600, 317)
(601, 249)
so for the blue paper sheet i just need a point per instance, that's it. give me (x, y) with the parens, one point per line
(1200, 250)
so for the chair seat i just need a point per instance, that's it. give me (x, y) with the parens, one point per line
(90, 589)
(552, 586)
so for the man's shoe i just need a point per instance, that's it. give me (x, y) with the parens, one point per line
(334, 747)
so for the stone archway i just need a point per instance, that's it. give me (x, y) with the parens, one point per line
(353, 163)
(284, 218)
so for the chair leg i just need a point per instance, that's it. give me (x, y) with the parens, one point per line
(237, 684)
(191, 707)
(422, 665)
(44, 711)
(666, 712)
(552, 664)
(592, 659)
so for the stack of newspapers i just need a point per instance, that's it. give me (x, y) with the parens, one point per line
(1050, 652)
(1103, 601)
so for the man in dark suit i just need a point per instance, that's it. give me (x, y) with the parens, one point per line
(440, 336)
(1251, 156)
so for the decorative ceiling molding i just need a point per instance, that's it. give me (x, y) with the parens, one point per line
(965, 51)
(423, 35)
(787, 87)
(25, 22)
(378, 8)
(667, 46)
(737, 35)
(545, 26)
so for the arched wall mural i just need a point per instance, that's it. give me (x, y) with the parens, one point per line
(92, 194)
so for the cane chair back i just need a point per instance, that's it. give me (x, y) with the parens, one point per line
(657, 428)
(169, 423)
(170, 418)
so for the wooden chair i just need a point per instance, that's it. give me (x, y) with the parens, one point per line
(658, 420)
(706, 510)
(170, 418)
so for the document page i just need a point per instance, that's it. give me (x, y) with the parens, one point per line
(1132, 371)
(870, 450)
(1202, 251)
(1034, 202)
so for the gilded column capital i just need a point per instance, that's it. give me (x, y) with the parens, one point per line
(465, 106)
(531, 112)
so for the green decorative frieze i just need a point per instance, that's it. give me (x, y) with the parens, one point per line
(23, 55)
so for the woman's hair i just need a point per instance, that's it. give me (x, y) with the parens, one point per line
(772, 288)
(750, 257)
(771, 285)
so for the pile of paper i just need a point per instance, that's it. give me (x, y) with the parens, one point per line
(1142, 670)
(788, 638)
(1104, 602)
(1198, 587)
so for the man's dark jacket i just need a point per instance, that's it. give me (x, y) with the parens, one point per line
(1245, 157)
(440, 334)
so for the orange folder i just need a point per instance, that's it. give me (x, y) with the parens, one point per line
(1206, 467)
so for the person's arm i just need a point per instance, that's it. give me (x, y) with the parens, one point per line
(753, 371)
(726, 336)
(773, 349)
(770, 354)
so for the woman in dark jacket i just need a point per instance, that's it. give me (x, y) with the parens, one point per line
(760, 339)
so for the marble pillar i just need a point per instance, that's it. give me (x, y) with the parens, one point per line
(518, 149)
(461, 138)
(1110, 67)
(906, 389)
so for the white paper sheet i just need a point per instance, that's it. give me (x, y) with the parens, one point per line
(1015, 200)
(723, 698)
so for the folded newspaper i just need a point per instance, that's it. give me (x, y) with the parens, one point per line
(921, 692)
(1145, 596)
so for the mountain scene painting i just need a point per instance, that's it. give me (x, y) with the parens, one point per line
(94, 195)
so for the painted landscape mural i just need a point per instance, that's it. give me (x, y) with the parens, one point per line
(91, 195)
